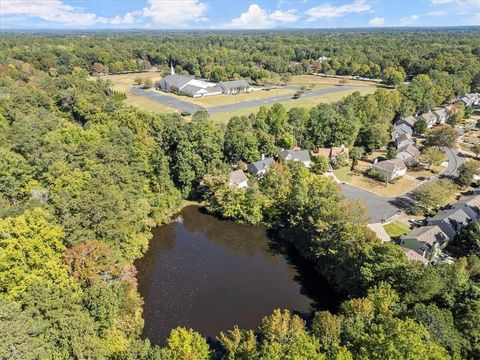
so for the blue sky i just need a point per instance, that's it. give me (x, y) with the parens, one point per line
(236, 14)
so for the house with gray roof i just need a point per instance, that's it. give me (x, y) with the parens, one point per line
(471, 201)
(426, 241)
(412, 255)
(408, 121)
(296, 155)
(430, 118)
(401, 129)
(410, 155)
(442, 115)
(391, 169)
(234, 86)
(259, 168)
(468, 100)
(238, 179)
(403, 140)
(452, 221)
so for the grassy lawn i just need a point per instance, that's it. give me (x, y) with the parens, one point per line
(124, 82)
(307, 80)
(309, 101)
(396, 229)
(363, 182)
(233, 99)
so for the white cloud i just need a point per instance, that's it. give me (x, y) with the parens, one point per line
(50, 10)
(254, 18)
(128, 18)
(443, 1)
(409, 20)
(257, 18)
(474, 20)
(377, 21)
(329, 11)
(287, 16)
(173, 12)
(436, 13)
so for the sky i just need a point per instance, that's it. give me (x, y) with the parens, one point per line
(234, 14)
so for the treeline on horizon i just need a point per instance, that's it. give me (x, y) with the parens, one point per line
(83, 179)
(393, 56)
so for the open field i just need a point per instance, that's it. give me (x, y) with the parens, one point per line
(307, 101)
(233, 99)
(307, 80)
(124, 82)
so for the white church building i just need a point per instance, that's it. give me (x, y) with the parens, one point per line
(190, 86)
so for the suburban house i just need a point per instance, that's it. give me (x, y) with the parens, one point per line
(469, 201)
(408, 121)
(442, 115)
(296, 155)
(414, 256)
(452, 221)
(332, 153)
(259, 168)
(403, 141)
(468, 100)
(391, 169)
(430, 118)
(401, 129)
(426, 241)
(238, 179)
(190, 86)
(410, 155)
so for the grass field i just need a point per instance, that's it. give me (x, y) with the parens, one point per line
(301, 102)
(396, 229)
(124, 82)
(307, 80)
(234, 99)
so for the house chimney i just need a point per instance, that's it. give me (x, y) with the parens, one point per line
(263, 156)
(172, 71)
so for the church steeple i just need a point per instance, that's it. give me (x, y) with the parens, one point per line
(172, 72)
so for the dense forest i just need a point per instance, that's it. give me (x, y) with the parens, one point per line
(260, 56)
(84, 178)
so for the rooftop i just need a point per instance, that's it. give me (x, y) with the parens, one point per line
(390, 165)
(428, 234)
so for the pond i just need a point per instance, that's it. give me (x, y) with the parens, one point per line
(203, 273)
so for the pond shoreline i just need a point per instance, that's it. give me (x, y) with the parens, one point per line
(210, 274)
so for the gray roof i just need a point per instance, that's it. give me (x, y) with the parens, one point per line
(191, 89)
(472, 200)
(298, 155)
(413, 255)
(441, 112)
(237, 177)
(229, 85)
(460, 215)
(260, 165)
(411, 120)
(403, 128)
(428, 234)
(429, 117)
(390, 165)
(176, 80)
(412, 150)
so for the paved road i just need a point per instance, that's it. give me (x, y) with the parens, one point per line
(378, 207)
(182, 105)
(175, 103)
(382, 207)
